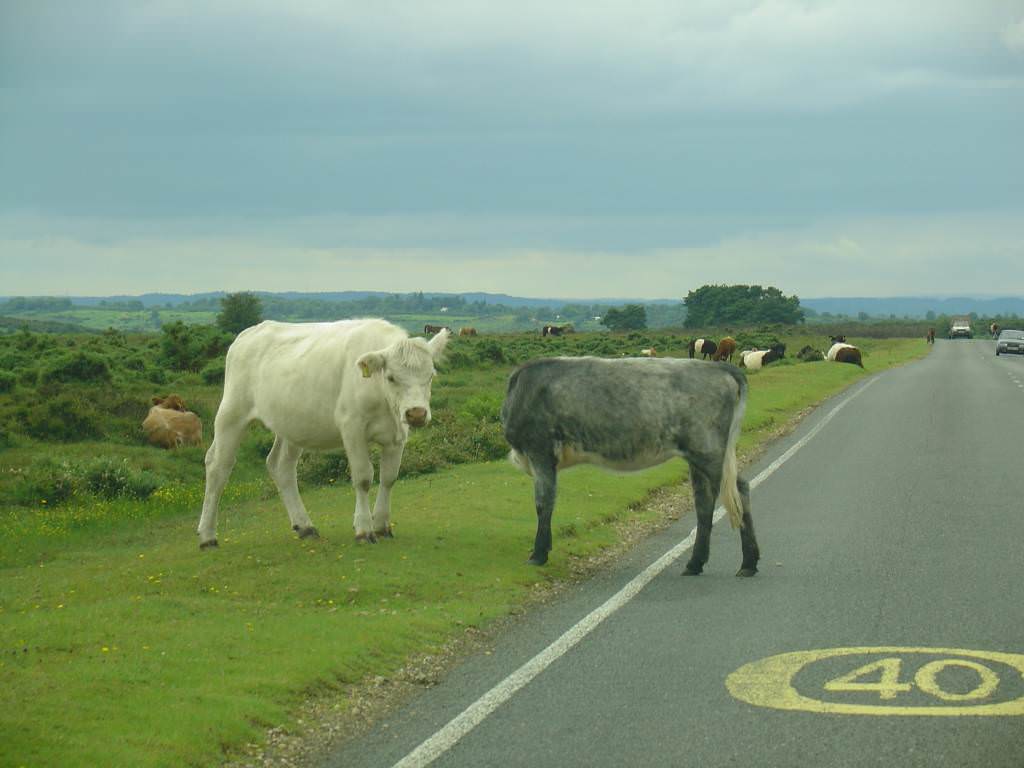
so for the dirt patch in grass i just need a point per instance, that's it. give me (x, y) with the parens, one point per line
(326, 720)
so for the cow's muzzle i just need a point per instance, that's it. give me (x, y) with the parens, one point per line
(416, 417)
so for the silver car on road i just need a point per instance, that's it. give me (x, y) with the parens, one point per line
(1010, 341)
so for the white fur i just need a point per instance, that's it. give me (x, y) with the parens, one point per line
(322, 386)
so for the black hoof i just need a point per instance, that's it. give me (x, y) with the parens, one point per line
(368, 537)
(693, 569)
(208, 544)
(746, 572)
(307, 533)
(386, 533)
(536, 559)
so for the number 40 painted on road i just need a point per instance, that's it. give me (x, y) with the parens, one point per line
(770, 682)
(888, 685)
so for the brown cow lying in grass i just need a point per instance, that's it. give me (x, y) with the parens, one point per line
(170, 425)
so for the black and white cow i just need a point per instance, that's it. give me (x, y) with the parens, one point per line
(629, 414)
(755, 360)
(704, 347)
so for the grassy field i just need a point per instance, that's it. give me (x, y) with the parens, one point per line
(122, 644)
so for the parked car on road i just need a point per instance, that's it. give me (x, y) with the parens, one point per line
(1010, 341)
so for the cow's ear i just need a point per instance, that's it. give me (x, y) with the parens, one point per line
(437, 344)
(370, 363)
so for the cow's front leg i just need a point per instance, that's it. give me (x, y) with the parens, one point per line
(704, 505)
(390, 461)
(361, 467)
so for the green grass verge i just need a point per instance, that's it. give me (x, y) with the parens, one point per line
(122, 644)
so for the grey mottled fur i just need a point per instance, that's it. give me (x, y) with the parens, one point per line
(630, 413)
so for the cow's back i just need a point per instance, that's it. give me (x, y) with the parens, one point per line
(616, 407)
(295, 377)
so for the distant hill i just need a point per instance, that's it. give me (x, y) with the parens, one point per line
(163, 299)
(912, 306)
(916, 306)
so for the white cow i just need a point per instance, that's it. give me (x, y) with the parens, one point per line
(321, 386)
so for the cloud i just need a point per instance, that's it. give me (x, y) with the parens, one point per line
(876, 256)
(1013, 36)
(526, 62)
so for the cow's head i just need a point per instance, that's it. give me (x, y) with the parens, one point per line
(172, 402)
(406, 369)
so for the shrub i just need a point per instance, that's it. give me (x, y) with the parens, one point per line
(77, 366)
(45, 482)
(188, 347)
(7, 381)
(213, 373)
(483, 407)
(457, 358)
(491, 351)
(63, 418)
(110, 479)
(29, 377)
(324, 468)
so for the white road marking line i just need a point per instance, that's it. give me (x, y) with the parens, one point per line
(478, 711)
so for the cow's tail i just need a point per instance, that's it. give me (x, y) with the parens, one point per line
(729, 493)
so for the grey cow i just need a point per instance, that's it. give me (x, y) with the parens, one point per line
(627, 415)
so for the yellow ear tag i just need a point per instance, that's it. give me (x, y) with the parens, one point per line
(365, 368)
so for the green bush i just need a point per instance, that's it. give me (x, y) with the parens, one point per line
(213, 373)
(491, 351)
(7, 381)
(63, 418)
(110, 479)
(45, 482)
(485, 406)
(189, 347)
(77, 366)
(324, 468)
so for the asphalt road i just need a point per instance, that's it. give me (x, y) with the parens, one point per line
(894, 533)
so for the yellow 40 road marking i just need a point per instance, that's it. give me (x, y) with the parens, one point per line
(770, 682)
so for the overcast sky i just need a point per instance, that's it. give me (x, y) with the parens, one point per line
(627, 148)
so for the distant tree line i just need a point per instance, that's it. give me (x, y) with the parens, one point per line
(36, 304)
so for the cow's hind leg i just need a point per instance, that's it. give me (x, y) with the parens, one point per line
(361, 467)
(390, 461)
(220, 460)
(545, 478)
(282, 464)
(751, 552)
(704, 495)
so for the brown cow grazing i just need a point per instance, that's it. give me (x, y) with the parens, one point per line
(649, 352)
(726, 349)
(555, 330)
(467, 331)
(170, 425)
(849, 355)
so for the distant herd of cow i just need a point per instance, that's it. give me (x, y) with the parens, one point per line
(755, 359)
(623, 414)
